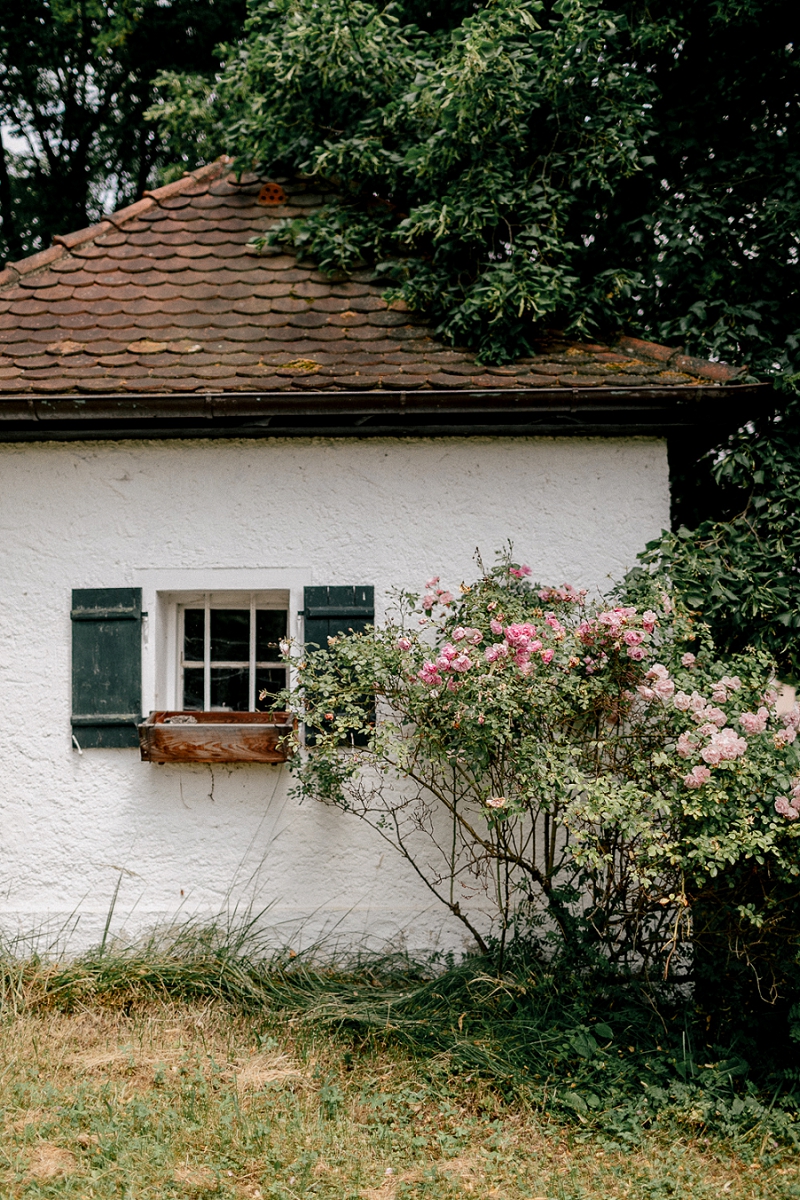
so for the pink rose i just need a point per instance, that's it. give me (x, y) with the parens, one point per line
(445, 597)
(649, 620)
(432, 582)
(498, 650)
(428, 601)
(664, 688)
(461, 663)
(547, 656)
(681, 701)
(459, 633)
(731, 682)
(636, 653)
(403, 643)
(754, 722)
(684, 748)
(718, 694)
(646, 693)
(688, 660)
(657, 671)
(782, 806)
(496, 626)
(716, 715)
(520, 572)
(711, 754)
(632, 637)
(697, 777)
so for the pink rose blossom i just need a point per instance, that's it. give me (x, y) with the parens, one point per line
(496, 626)
(429, 674)
(681, 701)
(688, 660)
(754, 722)
(657, 671)
(452, 684)
(520, 572)
(646, 693)
(649, 620)
(403, 643)
(731, 682)
(636, 653)
(547, 656)
(786, 809)
(784, 737)
(697, 777)
(459, 633)
(428, 601)
(632, 637)
(685, 747)
(718, 694)
(498, 650)
(462, 662)
(711, 754)
(432, 582)
(664, 688)
(445, 597)
(715, 715)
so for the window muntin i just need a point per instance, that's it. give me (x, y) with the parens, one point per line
(230, 654)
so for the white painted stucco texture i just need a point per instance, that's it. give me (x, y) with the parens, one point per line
(254, 513)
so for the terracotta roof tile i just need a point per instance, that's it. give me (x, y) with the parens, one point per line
(167, 296)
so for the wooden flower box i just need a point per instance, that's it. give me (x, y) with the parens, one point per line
(216, 737)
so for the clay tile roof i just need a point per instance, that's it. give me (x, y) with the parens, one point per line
(166, 296)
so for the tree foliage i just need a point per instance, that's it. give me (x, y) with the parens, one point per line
(592, 165)
(75, 81)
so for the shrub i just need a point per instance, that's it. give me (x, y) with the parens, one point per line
(587, 773)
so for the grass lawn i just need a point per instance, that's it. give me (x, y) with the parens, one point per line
(169, 1098)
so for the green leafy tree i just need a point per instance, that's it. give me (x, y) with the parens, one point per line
(593, 165)
(75, 81)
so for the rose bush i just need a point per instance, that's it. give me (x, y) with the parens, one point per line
(584, 769)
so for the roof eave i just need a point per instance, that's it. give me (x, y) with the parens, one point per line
(586, 411)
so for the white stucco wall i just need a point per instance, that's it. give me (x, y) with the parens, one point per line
(253, 514)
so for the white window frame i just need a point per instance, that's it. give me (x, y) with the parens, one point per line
(253, 601)
(164, 589)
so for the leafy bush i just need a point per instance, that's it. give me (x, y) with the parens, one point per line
(591, 775)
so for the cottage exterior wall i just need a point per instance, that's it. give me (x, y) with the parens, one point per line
(171, 515)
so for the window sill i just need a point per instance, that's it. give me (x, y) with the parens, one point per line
(216, 737)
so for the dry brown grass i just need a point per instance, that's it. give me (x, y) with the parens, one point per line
(178, 1100)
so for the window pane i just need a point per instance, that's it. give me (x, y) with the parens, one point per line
(230, 635)
(230, 688)
(270, 680)
(270, 629)
(193, 622)
(193, 687)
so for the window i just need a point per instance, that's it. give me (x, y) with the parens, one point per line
(230, 651)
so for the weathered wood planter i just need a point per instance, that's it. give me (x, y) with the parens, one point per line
(216, 737)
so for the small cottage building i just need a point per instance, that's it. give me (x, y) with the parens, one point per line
(205, 449)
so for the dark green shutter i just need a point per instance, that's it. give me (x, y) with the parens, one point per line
(332, 610)
(106, 666)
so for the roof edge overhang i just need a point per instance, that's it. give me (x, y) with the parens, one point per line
(506, 412)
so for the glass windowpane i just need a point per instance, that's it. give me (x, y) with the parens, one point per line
(270, 630)
(270, 680)
(230, 689)
(193, 688)
(230, 634)
(193, 631)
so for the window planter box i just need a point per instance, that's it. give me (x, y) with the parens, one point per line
(215, 737)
